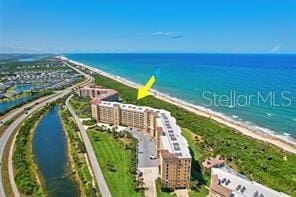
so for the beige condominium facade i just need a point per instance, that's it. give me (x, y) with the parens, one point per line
(172, 148)
(98, 93)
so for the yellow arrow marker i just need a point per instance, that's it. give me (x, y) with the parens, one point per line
(144, 90)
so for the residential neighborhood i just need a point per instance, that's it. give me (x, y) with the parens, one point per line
(34, 76)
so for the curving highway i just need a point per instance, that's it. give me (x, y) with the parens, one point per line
(42, 102)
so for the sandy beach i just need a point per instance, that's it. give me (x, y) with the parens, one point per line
(285, 144)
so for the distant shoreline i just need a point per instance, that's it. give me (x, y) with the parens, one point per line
(280, 141)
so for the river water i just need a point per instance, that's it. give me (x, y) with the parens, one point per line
(50, 152)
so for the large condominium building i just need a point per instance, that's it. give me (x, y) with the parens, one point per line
(98, 92)
(119, 114)
(172, 148)
(227, 183)
(173, 152)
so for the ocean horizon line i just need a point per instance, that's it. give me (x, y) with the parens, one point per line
(146, 52)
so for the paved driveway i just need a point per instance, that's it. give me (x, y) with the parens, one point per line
(146, 148)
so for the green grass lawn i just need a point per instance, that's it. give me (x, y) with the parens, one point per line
(161, 193)
(196, 154)
(108, 149)
(190, 139)
(203, 192)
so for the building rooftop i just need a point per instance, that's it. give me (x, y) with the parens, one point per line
(228, 180)
(172, 138)
(213, 162)
(129, 107)
(102, 93)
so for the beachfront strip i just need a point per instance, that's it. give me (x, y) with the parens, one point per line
(174, 159)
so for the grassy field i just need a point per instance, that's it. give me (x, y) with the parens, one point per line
(110, 151)
(262, 162)
(203, 192)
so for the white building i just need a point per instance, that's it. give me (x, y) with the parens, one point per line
(227, 183)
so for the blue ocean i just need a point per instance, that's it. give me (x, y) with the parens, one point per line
(258, 90)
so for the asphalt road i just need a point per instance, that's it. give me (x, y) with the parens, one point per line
(9, 131)
(21, 109)
(91, 155)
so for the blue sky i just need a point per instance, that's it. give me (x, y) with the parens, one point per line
(218, 26)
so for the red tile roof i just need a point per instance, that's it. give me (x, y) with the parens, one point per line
(213, 162)
(218, 188)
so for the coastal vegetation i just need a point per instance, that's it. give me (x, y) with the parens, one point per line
(89, 122)
(25, 172)
(202, 179)
(78, 156)
(116, 154)
(28, 66)
(81, 106)
(260, 161)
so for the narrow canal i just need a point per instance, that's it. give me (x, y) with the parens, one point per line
(50, 152)
(7, 104)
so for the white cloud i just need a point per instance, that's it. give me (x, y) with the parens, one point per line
(275, 48)
(168, 34)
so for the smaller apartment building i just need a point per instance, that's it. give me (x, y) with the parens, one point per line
(98, 93)
(172, 148)
(225, 182)
(174, 171)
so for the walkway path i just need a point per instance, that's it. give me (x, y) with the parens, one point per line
(91, 154)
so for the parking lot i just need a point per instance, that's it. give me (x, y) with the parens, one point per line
(146, 148)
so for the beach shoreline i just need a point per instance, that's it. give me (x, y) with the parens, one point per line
(284, 142)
